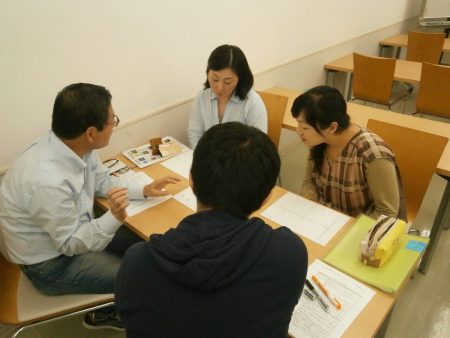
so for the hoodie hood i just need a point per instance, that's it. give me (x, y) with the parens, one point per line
(210, 249)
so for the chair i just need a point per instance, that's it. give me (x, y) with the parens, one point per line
(424, 47)
(417, 154)
(373, 78)
(276, 107)
(434, 90)
(21, 303)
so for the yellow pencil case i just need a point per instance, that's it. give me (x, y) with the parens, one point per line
(381, 240)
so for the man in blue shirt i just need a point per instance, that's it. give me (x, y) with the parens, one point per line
(47, 223)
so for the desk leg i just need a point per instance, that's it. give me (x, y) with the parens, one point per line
(440, 58)
(447, 220)
(397, 53)
(436, 229)
(350, 87)
(383, 328)
(330, 78)
(391, 53)
(446, 217)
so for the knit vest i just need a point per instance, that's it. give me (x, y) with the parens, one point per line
(342, 183)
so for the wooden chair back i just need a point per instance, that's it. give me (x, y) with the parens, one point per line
(424, 47)
(434, 90)
(417, 154)
(373, 78)
(276, 107)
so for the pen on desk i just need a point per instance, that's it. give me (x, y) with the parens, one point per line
(309, 294)
(322, 303)
(327, 293)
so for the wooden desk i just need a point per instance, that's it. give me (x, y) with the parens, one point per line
(405, 71)
(168, 214)
(360, 115)
(164, 216)
(401, 40)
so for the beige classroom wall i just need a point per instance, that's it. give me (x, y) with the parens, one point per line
(301, 74)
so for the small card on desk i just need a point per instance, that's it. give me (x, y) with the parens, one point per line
(416, 246)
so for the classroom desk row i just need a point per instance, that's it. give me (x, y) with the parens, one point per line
(360, 115)
(405, 71)
(401, 40)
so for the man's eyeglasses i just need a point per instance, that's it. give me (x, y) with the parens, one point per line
(113, 162)
(120, 171)
(116, 120)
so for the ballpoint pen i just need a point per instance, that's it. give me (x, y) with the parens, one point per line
(309, 294)
(319, 298)
(327, 293)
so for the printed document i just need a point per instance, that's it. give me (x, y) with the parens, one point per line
(181, 164)
(136, 206)
(187, 198)
(310, 320)
(306, 218)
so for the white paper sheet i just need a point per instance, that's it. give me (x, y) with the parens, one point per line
(306, 218)
(310, 320)
(137, 206)
(181, 164)
(187, 198)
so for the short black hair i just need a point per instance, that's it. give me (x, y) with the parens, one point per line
(321, 106)
(234, 168)
(78, 107)
(229, 56)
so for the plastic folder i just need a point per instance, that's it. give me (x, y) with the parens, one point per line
(389, 278)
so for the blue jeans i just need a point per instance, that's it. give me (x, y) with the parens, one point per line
(90, 272)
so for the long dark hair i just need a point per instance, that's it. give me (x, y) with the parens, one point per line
(228, 56)
(321, 106)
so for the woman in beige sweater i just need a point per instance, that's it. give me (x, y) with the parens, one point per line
(349, 169)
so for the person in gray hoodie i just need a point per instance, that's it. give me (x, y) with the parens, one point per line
(219, 273)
